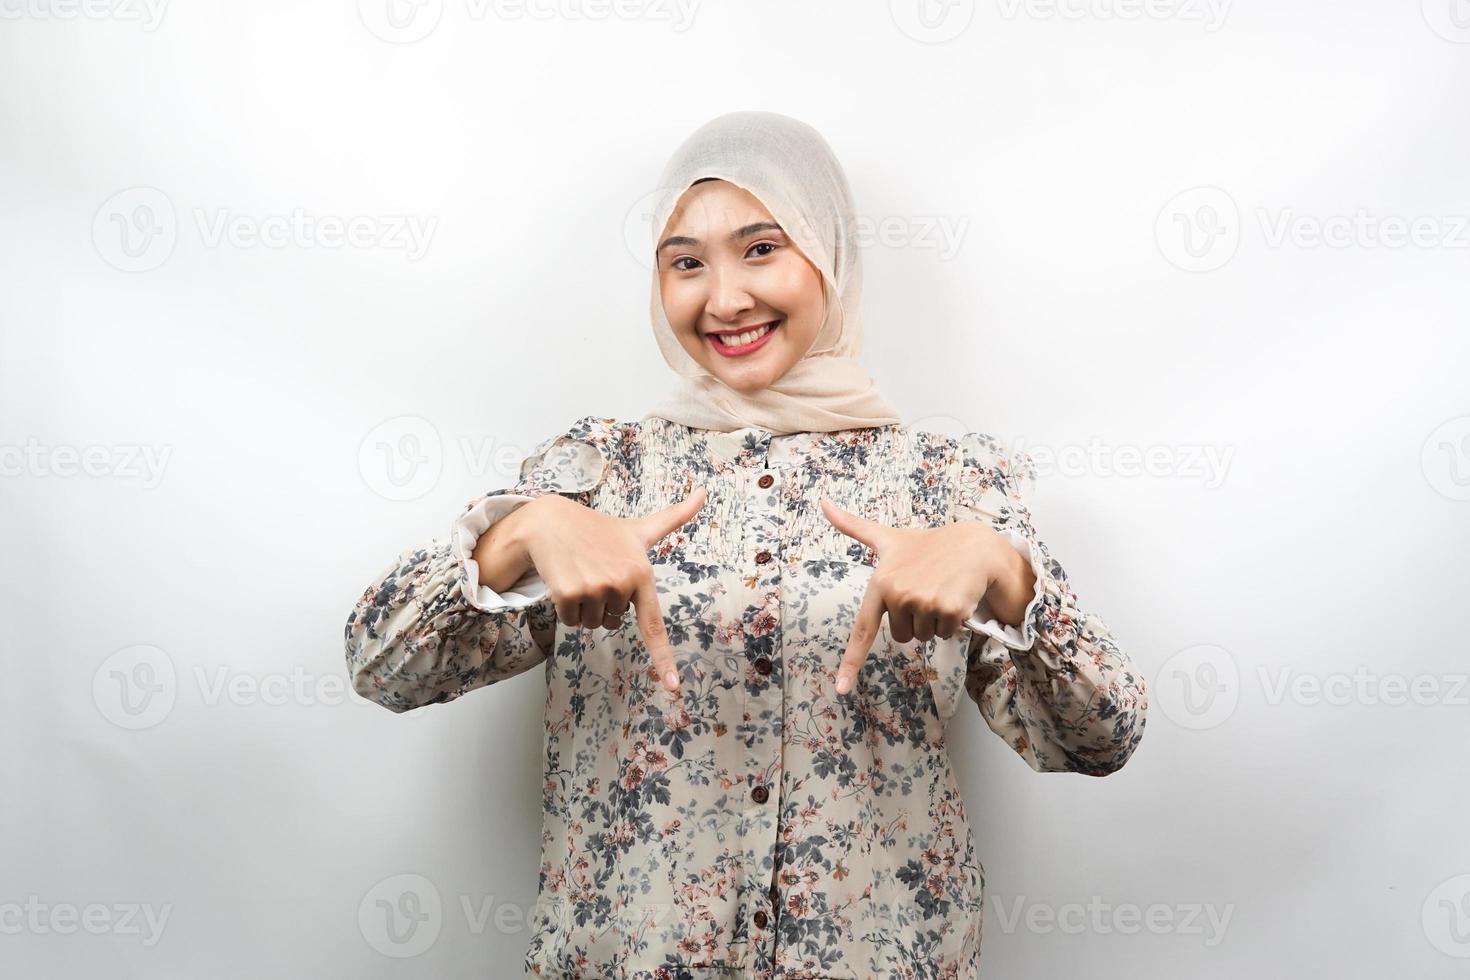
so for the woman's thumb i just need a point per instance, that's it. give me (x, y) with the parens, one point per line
(662, 522)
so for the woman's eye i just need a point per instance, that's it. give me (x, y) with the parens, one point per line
(771, 245)
(683, 258)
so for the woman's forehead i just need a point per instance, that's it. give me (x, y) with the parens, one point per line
(718, 204)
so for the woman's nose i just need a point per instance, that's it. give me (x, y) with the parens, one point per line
(728, 297)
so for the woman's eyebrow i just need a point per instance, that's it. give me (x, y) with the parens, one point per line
(735, 235)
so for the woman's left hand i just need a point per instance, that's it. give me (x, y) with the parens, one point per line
(929, 581)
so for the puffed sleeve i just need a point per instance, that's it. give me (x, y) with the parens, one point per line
(425, 631)
(1059, 689)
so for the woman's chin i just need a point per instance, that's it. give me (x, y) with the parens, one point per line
(747, 382)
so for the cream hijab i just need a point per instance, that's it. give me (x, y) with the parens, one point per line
(791, 169)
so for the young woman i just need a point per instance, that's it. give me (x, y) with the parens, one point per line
(756, 609)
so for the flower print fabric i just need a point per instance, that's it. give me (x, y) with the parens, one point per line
(763, 826)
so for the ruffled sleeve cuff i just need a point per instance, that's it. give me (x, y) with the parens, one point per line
(984, 621)
(527, 591)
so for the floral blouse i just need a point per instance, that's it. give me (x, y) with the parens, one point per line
(761, 825)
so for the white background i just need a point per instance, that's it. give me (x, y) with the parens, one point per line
(1208, 231)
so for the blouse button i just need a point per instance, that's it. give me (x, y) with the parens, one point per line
(760, 794)
(760, 918)
(766, 480)
(762, 556)
(763, 664)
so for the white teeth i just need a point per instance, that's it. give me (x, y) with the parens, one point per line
(740, 340)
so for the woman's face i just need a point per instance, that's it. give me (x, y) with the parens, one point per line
(725, 268)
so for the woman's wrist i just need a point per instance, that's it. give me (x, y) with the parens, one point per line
(501, 553)
(1013, 590)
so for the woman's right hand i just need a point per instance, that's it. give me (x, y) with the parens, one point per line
(594, 565)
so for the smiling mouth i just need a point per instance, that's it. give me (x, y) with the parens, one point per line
(743, 341)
